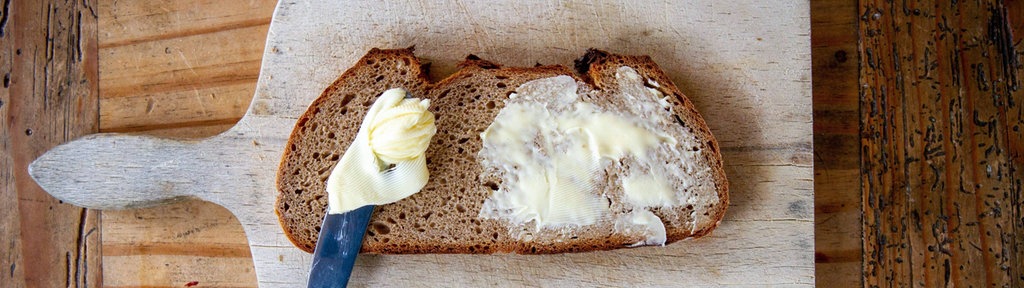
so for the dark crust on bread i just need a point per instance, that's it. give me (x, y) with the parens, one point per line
(451, 158)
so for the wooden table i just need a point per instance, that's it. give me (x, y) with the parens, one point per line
(917, 138)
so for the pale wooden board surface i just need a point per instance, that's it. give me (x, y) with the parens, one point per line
(738, 62)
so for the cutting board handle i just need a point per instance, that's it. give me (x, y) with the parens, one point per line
(118, 171)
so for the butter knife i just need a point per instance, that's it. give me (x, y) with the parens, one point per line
(341, 237)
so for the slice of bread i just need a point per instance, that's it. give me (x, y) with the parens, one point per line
(446, 217)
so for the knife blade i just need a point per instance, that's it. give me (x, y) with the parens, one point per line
(341, 237)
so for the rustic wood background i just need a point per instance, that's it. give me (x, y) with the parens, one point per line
(48, 58)
(940, 118)
(917, 138)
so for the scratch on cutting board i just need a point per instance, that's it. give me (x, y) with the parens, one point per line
(167, 163)
(478, 31)
(596, 9)
(675, 30)
(195, 91)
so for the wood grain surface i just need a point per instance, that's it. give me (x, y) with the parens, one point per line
(748, 156)
(940, 138)
(173, 245)
(837, 209)
(179, 64)
(49, 96)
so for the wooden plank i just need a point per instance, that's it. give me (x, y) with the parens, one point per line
(837, 274)
(189, 132)
(182, 62)
(131, 22)
(837, 221)
(199, 107)
(50, 97)
(174, 245)
(837, 218)
(988, 95)
(1013, 118)
(179, 271)
(10, 221)
(180, 79)
(935, 115)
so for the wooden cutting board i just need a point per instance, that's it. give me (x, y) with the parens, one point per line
(746, 66)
